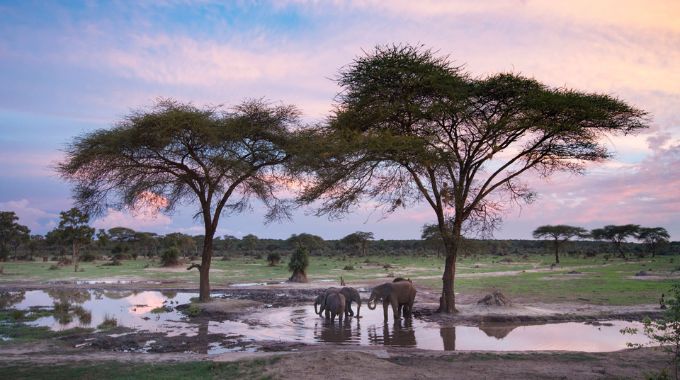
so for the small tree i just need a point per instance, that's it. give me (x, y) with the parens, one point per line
(75, 231)
(36, 242)
(358, 240)
(616, 234)
(432, 236)
(309, 241)
(170, 257)
(559, 234)
(665, 331)
(11, 233)
(250, 242)
(299, 261)
(653, 237)
(273, 258)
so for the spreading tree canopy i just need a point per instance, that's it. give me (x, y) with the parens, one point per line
(11, 232)
(616, 234)
(653, 237)
(176, 153)
(74, 230)
(559, 234)
(411, 127)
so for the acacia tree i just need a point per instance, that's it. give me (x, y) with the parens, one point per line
(653, 237)
(176, 153)
(359, 240)
(559, 234)
(616, 234)
(308, 241)
(75, 231)
(411, 127)
(11, 232)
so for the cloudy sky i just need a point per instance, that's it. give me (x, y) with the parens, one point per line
(71, 67)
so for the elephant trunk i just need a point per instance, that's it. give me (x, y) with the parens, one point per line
(316, 311)
(371, 304)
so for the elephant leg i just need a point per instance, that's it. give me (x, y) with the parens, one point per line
(386, 304)
(395, 310)
(410, 308)
(328, 313)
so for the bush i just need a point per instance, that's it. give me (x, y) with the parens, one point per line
(88, 257)
(170, 257)
(273, 259)
(299, 261)
(348, 267)
(108, 323)
(113, 263)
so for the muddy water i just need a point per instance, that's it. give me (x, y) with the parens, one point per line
(88, 308)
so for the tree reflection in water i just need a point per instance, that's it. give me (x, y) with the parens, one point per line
(67, 306)
(9, 299)
(448, 335)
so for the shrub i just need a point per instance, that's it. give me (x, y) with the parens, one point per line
(108, 323)
(170, 257)
(273, 259)
(88, 257)
(348, 267)
(299, 261)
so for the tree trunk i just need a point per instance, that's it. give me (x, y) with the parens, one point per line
(206, 258)
(447, 302)
(75, 256)
(557, 252)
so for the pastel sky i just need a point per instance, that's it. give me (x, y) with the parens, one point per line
(75, 66)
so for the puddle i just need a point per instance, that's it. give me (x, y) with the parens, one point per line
(153, 312)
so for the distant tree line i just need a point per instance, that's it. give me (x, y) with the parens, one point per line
(73, 240)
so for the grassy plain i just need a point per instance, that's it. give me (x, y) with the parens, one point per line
(592, 280)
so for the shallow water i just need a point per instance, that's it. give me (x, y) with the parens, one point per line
(133, 309)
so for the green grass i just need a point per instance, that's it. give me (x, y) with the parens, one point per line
(253, 369)
(601, 281)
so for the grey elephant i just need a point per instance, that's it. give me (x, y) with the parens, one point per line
(320, 300)
(351, 295)
(400, 295)
(335, 305)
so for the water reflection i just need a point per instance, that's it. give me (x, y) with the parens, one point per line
(400, 334)
(9, 299)
(448, 335)
(142, 311)
(496, 330)
(336, 332)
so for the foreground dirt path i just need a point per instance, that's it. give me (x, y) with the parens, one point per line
(335, 362)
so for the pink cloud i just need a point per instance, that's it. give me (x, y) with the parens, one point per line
(136, 221)
(644, 193)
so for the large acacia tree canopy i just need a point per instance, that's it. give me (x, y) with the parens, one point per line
(410, 126)
(177, 153)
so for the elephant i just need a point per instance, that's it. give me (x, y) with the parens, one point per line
(400, 295)
(335, 305)
(351, 295)
(321, 300)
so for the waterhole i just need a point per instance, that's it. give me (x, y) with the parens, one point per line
(155, 312)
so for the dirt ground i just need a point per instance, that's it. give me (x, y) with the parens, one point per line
(384, 363)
